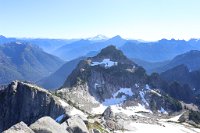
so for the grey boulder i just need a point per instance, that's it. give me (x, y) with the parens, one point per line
(76, 125)
(19, 128)
(47, 125)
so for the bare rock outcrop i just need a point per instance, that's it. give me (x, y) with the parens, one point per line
(22, 101)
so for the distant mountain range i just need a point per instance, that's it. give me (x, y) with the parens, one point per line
(84, 46)
(190, 59)
(25, 62)
(4, 39)
(150, 55)
(159, 51)
(69, 49)
(48, 45)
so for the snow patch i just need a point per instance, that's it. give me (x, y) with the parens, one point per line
(63, 103)
(156, 93)
(163, 111)
(126, 91)
(139, 108)
(134, 127)
(148, 88)
(106, 62)
(115, 100)
(96, 85)
(18, 43)
(143, 99)
(99, 110)
(174, 119)
(137, 85)
(98, 38)
(132, 110)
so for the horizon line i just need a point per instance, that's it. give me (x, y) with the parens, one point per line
(108, 37)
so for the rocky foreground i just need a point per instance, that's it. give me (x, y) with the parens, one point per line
(54, 115)
(109, 121)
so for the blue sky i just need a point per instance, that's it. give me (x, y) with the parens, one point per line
(137, 19)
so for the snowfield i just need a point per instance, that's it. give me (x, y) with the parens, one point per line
(99, 110)
(114, 101)
(117, 109)
(163, 127)
(173, 119)
(117, 100)
(106, 62)
(130, 110)
(150, 128)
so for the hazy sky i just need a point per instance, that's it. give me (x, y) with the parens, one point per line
(137, 19)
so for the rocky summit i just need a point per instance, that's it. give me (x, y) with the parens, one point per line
(110, 78)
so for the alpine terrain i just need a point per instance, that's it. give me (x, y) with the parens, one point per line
(105, 93)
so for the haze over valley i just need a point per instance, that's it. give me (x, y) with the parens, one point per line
(99, 66)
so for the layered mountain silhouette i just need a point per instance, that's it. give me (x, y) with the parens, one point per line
(4, 40)
(48, 45)
(25, 62)
(69, 49)
(190, 59)
(160, 50)
(82, 47)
